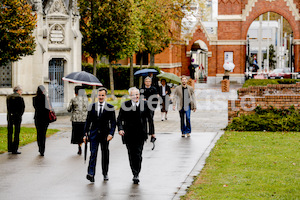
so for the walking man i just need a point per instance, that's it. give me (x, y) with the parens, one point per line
(185, 99)
(101, 124)
(15, 109)
(132, 124)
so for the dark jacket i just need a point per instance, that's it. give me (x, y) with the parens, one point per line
(41, 106)
(147, 92)
(134, 122)
(15, 106)
(100, 127)
(167, 90)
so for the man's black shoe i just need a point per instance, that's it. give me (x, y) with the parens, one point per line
(16, 152)
(90, 178)
(105, 178)
(136, 180)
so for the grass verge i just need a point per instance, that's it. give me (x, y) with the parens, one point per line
(251, 165)
(27, 135)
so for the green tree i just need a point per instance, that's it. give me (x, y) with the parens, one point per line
(272, 57)
(110, 29)
(16, 26)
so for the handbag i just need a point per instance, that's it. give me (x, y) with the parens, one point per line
(52, 116)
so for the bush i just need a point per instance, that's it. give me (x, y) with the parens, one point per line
(265, 82)
(271, 119)
(121, 75)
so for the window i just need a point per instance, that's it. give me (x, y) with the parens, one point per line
(145, 58)
(5, 76)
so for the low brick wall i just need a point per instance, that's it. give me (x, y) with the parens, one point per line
(278, 96)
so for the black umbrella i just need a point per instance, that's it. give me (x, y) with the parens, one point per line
(83, 78)
(145, 72)
(85, 148)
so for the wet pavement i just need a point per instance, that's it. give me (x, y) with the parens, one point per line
(166, 172)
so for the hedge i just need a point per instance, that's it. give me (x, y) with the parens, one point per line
(265, 82)
(121, 75)
(271, 119)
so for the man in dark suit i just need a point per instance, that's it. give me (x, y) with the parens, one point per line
(101, 124)
(15, 109)
(132, 124)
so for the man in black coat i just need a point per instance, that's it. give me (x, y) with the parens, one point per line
(101, 125)
(15, 109)
(132, 124)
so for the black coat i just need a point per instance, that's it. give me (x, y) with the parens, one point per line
(167, 90)
(41, 106)
(100, 127)
(134, 123)
(15, 106)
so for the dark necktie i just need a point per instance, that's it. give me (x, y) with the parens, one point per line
(100, 111)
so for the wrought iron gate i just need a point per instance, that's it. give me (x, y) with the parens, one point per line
(56, 85)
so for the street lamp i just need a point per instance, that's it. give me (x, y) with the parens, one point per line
(247, 57)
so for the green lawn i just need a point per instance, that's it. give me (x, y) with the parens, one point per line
(251, 165)
(27, 135)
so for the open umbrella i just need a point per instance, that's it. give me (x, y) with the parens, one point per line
(145, 72)
(171, 78)
(83, 78)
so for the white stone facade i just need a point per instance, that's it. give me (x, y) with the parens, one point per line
(58, 53)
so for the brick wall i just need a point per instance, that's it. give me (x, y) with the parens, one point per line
(278, 96)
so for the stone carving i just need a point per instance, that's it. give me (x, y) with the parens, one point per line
(58, 6)
(57, 35)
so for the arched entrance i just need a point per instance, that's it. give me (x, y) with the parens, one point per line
(199, 61)
(269, 44)
(56, 84)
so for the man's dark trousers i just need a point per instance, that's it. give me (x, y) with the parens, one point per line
(135, 156)
(93, 159)
(13, 138)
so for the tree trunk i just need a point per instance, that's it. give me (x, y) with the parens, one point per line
(151, 60)
(131, 81)
(111, 80)
(141, 67)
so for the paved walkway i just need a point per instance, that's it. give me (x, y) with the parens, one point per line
(166, 172)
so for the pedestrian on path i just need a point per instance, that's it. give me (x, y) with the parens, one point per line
(78, 106)
(99, 129)
(149, 93)
(184, 97)
(164, 93)
(15, 109)
(132, 125)
(42, 107)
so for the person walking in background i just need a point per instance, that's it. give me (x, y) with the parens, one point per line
(164, 92)
(184, 97)
(150, 94)
(78, 106)
(15, 109)
(101, 124)
(132, 125)
(42, 108)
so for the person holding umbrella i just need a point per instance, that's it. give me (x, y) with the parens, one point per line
(99, 128)
(78, 106)
(150, 94)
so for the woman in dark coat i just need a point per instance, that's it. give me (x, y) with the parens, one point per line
(42, 106)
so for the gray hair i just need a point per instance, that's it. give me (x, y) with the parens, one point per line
(133, 89)
(148, 78)
(17, 88)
